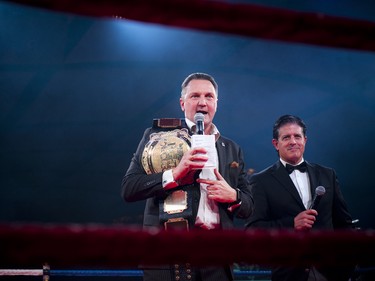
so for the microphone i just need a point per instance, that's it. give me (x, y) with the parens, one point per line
(319, 192)
(199, 121)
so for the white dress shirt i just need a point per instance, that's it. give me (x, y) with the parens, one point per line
(302, 183)
(208, 211)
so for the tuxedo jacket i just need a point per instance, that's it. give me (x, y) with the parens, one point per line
(277, 202)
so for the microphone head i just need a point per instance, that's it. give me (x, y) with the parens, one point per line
(199, 116)
(320, 190)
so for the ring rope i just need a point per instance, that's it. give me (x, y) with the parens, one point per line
(107, 273)
(125, 273)
(98, 246)
(18, 272)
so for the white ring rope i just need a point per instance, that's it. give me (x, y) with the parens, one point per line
(18, 272)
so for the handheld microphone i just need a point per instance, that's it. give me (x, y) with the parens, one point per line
(199, 121)
(319, 192)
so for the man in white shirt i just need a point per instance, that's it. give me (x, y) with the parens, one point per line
(284, 192)
(182, 191)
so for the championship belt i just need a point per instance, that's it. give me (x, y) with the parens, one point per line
(164, 151)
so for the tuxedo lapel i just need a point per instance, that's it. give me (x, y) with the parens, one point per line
(222, 155)
(281, 175)
(313, 177)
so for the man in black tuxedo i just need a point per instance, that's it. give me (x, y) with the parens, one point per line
(161, 169)
(284, 192)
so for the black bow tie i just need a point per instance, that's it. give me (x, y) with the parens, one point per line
(301, 167)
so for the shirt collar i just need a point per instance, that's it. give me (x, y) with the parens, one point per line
(284, 162)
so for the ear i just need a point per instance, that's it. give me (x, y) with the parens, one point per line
(275, 144)
(182, 104)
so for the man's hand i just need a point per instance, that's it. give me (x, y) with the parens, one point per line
(219, 190)
(305, 219)
(192, 160)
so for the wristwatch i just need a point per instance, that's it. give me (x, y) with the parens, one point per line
(238, 198)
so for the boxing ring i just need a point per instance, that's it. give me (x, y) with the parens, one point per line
(116, 250)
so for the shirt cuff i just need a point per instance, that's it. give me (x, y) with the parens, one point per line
(168, 180)
(233, 207)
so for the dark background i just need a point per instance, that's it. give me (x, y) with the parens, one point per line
(76, 94)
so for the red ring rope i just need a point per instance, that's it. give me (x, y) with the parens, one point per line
(100, 246)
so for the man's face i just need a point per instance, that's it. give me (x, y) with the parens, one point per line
(291, 143)
(201, 97)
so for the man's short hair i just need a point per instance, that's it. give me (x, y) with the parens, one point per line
(198, 76)
(288, 119)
